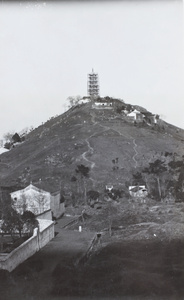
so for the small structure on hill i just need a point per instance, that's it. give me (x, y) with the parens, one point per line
(106, 102)
(138, 191)
(150, 118)
(84, 100)
(109, 187)
(102, 105)
(135, 115)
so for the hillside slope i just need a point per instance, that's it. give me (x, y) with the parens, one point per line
(105, 140)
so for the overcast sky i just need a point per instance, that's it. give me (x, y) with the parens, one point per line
(47, 49)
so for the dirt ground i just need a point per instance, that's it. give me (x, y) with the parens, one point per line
(141, 257)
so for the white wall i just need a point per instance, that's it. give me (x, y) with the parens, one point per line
(39, 239)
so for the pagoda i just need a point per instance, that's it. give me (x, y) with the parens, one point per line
(93, 84)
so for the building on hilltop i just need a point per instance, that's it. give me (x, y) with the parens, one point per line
(93, 84)
(135, 115)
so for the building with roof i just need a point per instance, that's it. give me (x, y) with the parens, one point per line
(135, 115)
(31, 198)
(40, 202)
(138, 191)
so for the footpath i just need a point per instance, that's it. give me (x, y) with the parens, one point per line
(33, 278)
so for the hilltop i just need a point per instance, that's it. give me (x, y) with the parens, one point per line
(82, 151)
(115, 148)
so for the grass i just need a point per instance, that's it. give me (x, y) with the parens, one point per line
(51, 154)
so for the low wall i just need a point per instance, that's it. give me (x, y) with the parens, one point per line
(39, 239)
(47, 215)
(46, 232)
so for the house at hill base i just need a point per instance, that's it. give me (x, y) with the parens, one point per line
(40, 203)
(138, 191)
(43, 204)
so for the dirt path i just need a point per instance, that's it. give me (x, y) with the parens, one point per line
(136, 153)
(34, 279)
(89, 151)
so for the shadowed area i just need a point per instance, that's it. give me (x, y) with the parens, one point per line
(120, 270)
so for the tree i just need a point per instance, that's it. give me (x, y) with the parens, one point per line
(115, 164)
(177, 182)
(1, 143)
(115, 194)
(37, 204)
(92, 196)
(83, 173)
(156, 169)
(138, 179)
(7, 145)
(5, 206)
(12, 222)
(30, 222)
(73, 100)
(129, 107)
(8, 137)
(16, 138)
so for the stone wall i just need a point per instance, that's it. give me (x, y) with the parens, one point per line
(39, 239)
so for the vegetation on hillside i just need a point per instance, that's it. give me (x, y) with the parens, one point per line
(111, 146)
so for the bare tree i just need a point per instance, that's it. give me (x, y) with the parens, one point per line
(73, 100)
(8, 137)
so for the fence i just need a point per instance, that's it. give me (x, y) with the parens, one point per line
(39, 239)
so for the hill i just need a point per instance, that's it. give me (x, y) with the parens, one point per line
(117, 150)
(139, 241)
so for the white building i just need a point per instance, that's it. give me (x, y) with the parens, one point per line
(31, 198)
(109, 187)
(136, 115)
(138, 191)
(41, 203)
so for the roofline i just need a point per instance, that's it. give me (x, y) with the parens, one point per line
(30, 186)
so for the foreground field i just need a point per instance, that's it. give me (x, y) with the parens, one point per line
(139, 255)
(139, 270)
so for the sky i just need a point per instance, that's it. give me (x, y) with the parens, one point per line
(48, 48)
